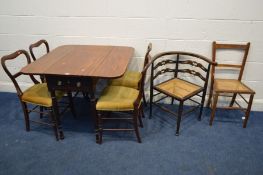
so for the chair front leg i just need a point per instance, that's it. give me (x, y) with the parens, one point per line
(26, 115)
(135, 124)
(180, 112)
(202, 105)
(209, 97)
(248, 110)
(213, 109)
(98, 127)
(140, 116)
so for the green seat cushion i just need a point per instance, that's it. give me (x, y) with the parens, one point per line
(117, 98)
(38, 94)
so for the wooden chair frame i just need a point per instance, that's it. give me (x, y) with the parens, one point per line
(37, 44)
(54, 121)
(177, 62)
(245, 49)
(31, 50)
(137, 113)
(147, 60)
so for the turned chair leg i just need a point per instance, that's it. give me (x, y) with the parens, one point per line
(213, 109)
(140, 118)
(26, 116)
(135, 125)
(99, 128)
(55, 113)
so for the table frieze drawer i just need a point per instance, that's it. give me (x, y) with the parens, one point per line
(68, 83)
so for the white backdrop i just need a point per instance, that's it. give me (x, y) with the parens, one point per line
(188, 25)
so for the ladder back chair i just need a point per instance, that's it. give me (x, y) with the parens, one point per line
(36, 95)
(223, 86)
(176, 65)
(132, 78)
(121, 99)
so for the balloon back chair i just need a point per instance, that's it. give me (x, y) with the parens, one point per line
(33, 55)
(36, 95)
(179, 76)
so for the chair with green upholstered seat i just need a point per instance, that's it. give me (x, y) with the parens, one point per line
(36, 95)
(121, 99)
(132, 78)
(32, 49)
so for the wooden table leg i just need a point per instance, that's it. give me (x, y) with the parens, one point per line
(93, 101)
(69, 84)
(56, 114)
(91, 89)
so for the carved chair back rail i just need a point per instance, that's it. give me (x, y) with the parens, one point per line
(176, 87)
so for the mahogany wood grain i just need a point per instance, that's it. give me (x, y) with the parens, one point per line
(83, 60)
(75, 67)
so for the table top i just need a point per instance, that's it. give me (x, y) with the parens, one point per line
(83, 60)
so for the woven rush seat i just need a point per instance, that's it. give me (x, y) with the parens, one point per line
(178, 88)
(231, 85)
